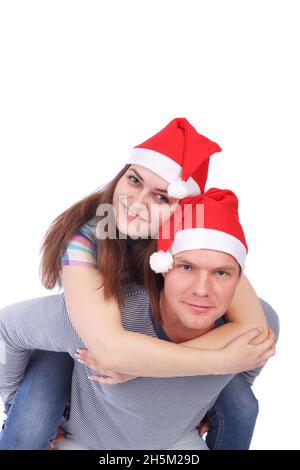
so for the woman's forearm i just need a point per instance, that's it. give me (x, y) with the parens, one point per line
(141, 355)
(218, 337)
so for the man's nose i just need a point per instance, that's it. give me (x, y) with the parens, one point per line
(201, 284)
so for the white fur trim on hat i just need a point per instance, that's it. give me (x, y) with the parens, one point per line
(167, 169)
(210, 239)
(161, 261)
(160, 164)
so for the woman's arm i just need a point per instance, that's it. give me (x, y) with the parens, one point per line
(98, 323)
(245, 312)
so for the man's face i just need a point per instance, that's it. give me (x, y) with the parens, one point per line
(198, 289)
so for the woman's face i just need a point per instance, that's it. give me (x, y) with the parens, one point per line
(141, 203)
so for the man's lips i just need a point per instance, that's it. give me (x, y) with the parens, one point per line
(196, 307)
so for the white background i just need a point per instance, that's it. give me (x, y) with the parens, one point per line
(82, 82)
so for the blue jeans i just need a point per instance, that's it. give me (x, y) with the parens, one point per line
(232, 418)
(40, 401)
(37, 410)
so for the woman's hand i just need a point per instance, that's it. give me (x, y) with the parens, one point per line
(203, 426)
(60, 436)
(108, 377)
(239, 355)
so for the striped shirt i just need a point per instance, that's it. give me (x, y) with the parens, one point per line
(144, 413)
(81, 250)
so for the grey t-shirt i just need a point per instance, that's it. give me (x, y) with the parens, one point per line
(144, 413)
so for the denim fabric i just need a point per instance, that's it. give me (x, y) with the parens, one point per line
(40, 402)
(36, 412)
(232, 418)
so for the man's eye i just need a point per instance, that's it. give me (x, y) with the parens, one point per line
(184, 267)
(222, 273)
(133, 179)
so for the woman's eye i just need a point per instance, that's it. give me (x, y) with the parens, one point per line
(162, 198)
(133, 179)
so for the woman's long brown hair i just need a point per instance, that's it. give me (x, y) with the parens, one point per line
(112, 258)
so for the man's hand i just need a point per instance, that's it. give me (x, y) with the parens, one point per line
(240, 355)
(108, 377)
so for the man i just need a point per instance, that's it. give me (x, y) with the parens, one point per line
(147, 413)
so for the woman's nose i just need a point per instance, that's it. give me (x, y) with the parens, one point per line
(141, 199)
(137, 208)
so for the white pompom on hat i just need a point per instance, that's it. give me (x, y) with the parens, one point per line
(179, 155)
(161, 261)
(209, 221)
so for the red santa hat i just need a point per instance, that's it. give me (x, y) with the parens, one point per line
(179, 155)
(209, 221)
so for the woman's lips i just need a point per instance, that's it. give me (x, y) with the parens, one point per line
(131, 217)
